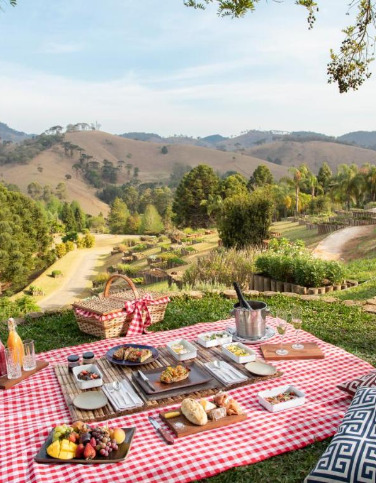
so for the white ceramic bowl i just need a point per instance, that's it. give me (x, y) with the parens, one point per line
(187, 346)
(204, 338)
(91, 383)
(292, 403)
(241, 359)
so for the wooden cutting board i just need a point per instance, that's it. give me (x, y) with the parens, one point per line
(311, 351)
(180, 425)
(6, 383)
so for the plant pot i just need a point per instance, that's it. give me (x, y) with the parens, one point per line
(328, 288)
(302, 290)
(267, 284)
(313, 291)
(337, 287)
(279, 286)
(295, 288)
(287, 287)
(257, 283)
(273, 285)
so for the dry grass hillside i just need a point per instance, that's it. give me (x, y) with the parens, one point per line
(54, 168)
(154, 165)
(313, 153)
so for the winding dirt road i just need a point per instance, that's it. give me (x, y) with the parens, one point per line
(334, 246)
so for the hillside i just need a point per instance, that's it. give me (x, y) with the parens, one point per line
(313, 153)
(54, 167)
(366, 139)
(9, 134)
(155, 166)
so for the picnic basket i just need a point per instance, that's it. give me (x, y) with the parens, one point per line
(105, 316)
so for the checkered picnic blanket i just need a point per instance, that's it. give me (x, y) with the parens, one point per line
(30, 410)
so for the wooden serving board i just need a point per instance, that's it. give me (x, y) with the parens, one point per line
(113, 372)
(6, 383)
(311, 351)
(180, 425)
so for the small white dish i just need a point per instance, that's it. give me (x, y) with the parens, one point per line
(292, 403)
(92, 382)
(260, 368)
(210, 339)
(90, 400)
(181, 350)
(251, 355)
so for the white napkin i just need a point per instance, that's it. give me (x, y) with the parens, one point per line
(126, 398)
(228, 376)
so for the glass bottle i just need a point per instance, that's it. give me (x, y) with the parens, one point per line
(3, 366)
(15, 341)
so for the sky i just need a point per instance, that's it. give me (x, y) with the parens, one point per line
(158, 66)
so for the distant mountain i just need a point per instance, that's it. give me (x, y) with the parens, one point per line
(9, 134)
(214, 139)
(366, 139)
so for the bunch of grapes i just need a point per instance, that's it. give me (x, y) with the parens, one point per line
(104, 444)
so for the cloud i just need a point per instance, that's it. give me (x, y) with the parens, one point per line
(60, 48)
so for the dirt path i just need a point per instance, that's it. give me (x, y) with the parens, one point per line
(79, 268)
(335, 246)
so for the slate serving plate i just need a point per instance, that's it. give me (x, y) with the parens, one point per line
(153, 357)
(120, 455)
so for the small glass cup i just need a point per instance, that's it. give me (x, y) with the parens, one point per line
(281, 329)
(29, 360)
(12, 361)
(297, 321)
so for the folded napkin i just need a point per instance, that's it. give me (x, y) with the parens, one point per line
(126, 398)
(227, 374)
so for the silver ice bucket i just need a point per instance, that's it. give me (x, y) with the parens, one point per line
(250, 324)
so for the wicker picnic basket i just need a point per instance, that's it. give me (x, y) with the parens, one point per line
(105, 317)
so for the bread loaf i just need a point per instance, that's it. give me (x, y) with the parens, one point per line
(194, 412)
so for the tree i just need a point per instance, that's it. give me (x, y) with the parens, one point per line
(133, 224)
(151, 223)
(245, 220)
(178, 171)
(68, 218)
(348, 185)
(61, 191)
(324, 176)
(79, 216)
(297, 181)
(195, 187)
(118, 216)
(350, 67)
(164, 150)
(261, 176)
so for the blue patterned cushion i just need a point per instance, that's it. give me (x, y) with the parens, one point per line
(351, 456)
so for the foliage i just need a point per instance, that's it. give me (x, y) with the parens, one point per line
(261, 176)
(129, 270)
(195, 187)
(24, 152)
(164, 150)
(100, 279)
(245, 220)
(151, 222)
(56, 273)
(88, 240)
(69, 246)
(118, 216)
(324, 176)
(24, 237)
(60, 250)
(222, 267)
(233, 185)
(16, 308)
(140, 247)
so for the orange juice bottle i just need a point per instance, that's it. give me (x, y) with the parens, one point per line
(15, 341)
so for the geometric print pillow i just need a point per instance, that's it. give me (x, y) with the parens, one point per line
(351, 455)
(369, 380)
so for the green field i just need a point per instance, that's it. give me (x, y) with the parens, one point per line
(293, 231)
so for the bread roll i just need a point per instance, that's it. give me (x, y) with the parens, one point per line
(194, 412)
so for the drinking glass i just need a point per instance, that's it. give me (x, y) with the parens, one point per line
(281, 329)
(29, 360)
(12, 361)
(296, 321)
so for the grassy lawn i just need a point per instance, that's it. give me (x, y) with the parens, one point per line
(343, 326)
(293, 231)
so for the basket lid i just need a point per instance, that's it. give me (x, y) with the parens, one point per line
(99, 306)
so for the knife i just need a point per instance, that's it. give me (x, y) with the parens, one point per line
(144, 378)
(167, 437)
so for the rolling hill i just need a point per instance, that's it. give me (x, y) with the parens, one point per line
(9, 134)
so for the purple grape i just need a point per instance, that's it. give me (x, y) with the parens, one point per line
(103, 452)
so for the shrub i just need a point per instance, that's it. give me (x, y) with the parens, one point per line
(56, 273)
(69, 246)
(88, 240)
(100, 279)
(222, 267)
(127, 269)
(16, 308)
(140, 247)
(60, 250)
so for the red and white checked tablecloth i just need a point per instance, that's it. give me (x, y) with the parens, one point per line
(30, 409)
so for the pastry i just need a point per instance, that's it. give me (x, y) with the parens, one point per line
(222, 399)
(217, 413)
(207, 405)
(137, 355)
(194, 412)
(119, 354)
(174, 374)
(233, 408)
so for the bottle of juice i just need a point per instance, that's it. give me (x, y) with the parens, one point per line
(3, 366)
(15, 341)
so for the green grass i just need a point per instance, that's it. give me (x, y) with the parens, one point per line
(347, 327)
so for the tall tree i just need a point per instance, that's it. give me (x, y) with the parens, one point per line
(118, 216)
(195, 187)
(261, 176)
(151, 223)
(324, 176)
(348, 185)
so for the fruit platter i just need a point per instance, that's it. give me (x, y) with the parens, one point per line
(81, 443)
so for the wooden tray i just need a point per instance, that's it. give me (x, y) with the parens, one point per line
(113, 372)
(6, 383)
(197, 376)
(311, 351)
(119, 455)
(188, 428)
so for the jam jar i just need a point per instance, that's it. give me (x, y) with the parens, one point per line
(88, 358)
(73, 361)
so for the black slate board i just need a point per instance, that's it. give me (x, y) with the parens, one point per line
(120, 455)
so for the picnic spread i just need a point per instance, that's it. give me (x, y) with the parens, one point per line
(200, 387)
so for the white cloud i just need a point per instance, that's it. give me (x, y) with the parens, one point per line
(61, 48)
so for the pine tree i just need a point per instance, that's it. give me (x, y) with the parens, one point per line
(151, 221)
(118, 216)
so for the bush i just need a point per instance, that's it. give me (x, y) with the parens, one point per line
(60, 250)
(56, 273)
(127, 269)
(100, 279)
(244, 220)
(16, 308)
(301, 269)
(222, 267)
(140, 247)
(69, 246)
(88, 240)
